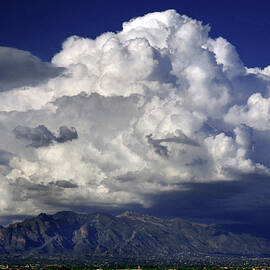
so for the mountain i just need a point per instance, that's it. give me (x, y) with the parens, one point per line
(128, 235)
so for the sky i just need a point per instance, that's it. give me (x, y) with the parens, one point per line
(161, 108)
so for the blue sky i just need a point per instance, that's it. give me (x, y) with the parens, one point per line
(41, 26)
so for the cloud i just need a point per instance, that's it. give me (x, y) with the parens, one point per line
(254, 113)
(163, 150)
(245, 200)
(41, 136)
(159, 108)
(19, 69)
(65, 184)
(5, 157)
(66, 134)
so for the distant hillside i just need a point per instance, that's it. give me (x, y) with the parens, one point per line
(128, 235)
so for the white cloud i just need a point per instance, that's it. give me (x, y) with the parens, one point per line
(255, 113)
(157, 105)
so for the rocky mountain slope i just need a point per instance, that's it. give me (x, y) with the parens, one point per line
(127, 235)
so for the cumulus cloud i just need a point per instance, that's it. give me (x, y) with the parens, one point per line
(19, 68)
(254, 113)
(158, 107)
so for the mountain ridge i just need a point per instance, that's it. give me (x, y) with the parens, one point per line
(127, 235)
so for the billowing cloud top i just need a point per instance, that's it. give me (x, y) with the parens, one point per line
(154, 107)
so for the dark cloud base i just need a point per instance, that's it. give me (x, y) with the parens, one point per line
(241, 201)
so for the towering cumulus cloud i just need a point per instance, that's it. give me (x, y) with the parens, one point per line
(155, 108)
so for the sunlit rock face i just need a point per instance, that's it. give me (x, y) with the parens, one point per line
(130, 115)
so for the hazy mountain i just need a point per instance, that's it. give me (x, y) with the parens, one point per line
(127, 235)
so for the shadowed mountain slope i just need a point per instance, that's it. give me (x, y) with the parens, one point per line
(127, 235)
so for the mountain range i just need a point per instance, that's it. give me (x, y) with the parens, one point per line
(129, 235)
